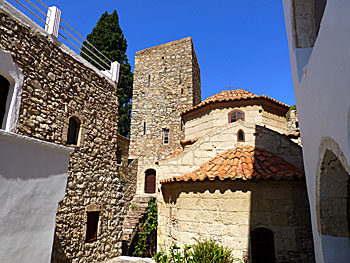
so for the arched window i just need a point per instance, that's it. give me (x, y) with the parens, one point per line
(240, 136)
(150, 181)
(4, 91)
(263, 245)
(119, 154)
(235, 115)
(73, 131)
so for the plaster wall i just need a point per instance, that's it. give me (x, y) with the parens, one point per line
(204, 122)
(227, 211)
(33, 178)
(322, 98)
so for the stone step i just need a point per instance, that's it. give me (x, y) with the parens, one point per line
(126, 259)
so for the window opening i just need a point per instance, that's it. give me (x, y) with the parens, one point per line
(240, 136)
(263, 247)
(92, 226)
(236, 115)
(320, 6)
(144, 128)
(4, 91)
(182, 91)
(165, 136)
(73, 131)
(119, 155)
(149, 80)
(181, 125)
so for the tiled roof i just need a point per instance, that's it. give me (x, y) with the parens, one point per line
(295, 134)
(233, 95)
(243, 162)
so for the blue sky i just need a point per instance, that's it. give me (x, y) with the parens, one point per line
(240, 44)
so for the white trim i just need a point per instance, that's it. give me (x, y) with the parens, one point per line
(15, 77)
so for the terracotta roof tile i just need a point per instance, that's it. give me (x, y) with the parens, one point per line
(243, 162)
(233, 95)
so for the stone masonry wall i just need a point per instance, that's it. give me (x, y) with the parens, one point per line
(227, 211)
(225, 138)
(57, 85)
(166, 82)
(214, 117)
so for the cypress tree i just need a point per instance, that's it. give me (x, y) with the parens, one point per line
(108, 38)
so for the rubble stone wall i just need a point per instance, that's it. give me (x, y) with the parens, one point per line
(166, 82)
(59, 85)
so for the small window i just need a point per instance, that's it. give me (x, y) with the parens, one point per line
(165, 136)
(150, 181)
(119, 155)
(240, 136)
(181, 125)
(73, 131)
(92, 226)
(4, 91)
(235, 115)
(149, 80)
(263, 247)
(144, 128)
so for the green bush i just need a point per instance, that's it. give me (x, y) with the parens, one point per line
(207, 251)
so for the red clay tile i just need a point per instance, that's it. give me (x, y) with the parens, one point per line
(266, 166)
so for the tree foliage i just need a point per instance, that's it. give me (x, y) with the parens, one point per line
(108, 38)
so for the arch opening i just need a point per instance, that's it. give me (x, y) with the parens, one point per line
(333, 197)
(4, 91)
(263, 245)
(150, 181)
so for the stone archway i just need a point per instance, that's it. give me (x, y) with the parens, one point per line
(333, 198)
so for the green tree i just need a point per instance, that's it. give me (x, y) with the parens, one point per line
(108, 38)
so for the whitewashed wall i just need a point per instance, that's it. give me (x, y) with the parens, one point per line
(33, 178)
(321, 77)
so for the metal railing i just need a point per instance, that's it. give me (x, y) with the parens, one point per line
(68, 35)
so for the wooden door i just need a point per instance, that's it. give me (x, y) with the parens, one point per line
(150, 181)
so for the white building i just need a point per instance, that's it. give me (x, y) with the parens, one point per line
(319, 41)
(33, 178)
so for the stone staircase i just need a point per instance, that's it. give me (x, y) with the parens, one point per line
(137, 209)
(130, 260)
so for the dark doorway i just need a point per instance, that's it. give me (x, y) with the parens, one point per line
(4, 91)
(92, 226)
(150, 181)
(263, 247)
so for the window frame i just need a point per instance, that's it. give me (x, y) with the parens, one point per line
(5, 97)
(240, 131)
(92, 223)
(235, 111)
(14, 75)
(77, 131)
(166, 131)
(119, 154)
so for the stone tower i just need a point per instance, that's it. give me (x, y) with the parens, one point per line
(166, 82)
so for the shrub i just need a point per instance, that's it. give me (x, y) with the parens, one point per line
(207, 251)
